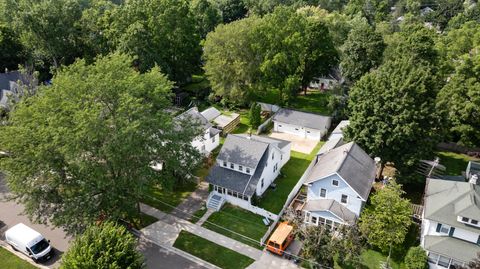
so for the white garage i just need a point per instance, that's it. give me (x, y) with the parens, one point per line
(302, 124)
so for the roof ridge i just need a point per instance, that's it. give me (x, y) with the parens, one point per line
(345, 155)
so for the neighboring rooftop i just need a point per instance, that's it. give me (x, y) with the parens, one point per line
(340, 126)
(445, 200)
(309, 120)
(451, 247)
(211, 113)
(351, 162)
(223, 120)
(332, 206)
(279, 142)
(193, 114)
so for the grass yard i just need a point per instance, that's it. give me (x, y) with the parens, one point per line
(198, 214)
(454, 162)
(314, 101)
(165, 200)
(240, 221)
(211, 252)
(273, 200)
(244, 125)
(10, 261)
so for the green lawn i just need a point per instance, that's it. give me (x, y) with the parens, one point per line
(198, 214)
(244, 125)
(240, 221)
(314, 101)
(273, 200)
(166, 200)
(211, 252)
(454, 162)
(10, 261)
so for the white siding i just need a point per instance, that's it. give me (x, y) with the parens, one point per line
(429, 227)
(268, 174)
(288, 128)
(205, 144)
(354, 203)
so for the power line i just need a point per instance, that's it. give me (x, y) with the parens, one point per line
(241, 235)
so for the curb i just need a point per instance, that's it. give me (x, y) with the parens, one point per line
(181, 253)
(21, 256)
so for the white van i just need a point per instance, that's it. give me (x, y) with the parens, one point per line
(30, 242)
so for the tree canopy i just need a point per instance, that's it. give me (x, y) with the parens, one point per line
(104, 246)
(393, 114)
(82, 148)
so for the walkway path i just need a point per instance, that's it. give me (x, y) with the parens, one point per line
(205, 217)
(193, 202)
(166, 230)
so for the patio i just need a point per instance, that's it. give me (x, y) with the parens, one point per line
(299, 144)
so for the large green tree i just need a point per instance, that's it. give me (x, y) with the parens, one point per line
(207, 16)
(231, 10)
(158, 32)
(12, 52)
(362, 51)
(460, 99)
(107, 246)
(386, 221)
(82, 148)
(49, 28)
(393, 114)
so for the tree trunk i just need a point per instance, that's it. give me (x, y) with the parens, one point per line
(389, 254)
(304, 90)
(380, 171)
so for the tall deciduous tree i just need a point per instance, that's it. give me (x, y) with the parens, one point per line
(231, 10)
(386, 221)
(158, 32)
(82, 148)
(49, 28)
(317, 245)
(393, 114)
(12, 53)
(255, 115)
(104, 246)
(460, 99)
(362, 51)
(207, 16)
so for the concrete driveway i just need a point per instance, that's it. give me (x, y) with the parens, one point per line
(12, 213)
(299, 144)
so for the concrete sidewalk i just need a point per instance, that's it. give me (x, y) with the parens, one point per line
(192, 203)
(165, 233)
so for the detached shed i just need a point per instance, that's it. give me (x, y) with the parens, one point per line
(227, 123)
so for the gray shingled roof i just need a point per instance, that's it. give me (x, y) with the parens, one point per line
(241, 150)
(452, 247)
(340, 126)
(230, 179)
(211, 113)
(193, 114)
(304, 119)
(445, 200)
(279, 142)
(351, 163)
(330, 205)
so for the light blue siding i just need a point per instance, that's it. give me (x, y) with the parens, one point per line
(354, 202)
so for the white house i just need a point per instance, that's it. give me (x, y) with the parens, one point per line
(9, 87)
(451, 222)
(338, 186)
(245, 167)
(211, 136)
(302, 124)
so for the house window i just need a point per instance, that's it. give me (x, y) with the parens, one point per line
(213, 139)
(225, 163)
(240, 168)
(296, 129)
(344, 199)
(307, 217)
(321, 221)
(273, 155)
(335, 183)
(281, 157)
(232, 166)
(474, 222)
(230, 193)
(444, 229)
(433, 258)
(203, 147)
(308, 132)
(314, 220)
(465, 219)
(261, 183)
(444, 261)
(323, 193)
(279, 125)
(248, 170)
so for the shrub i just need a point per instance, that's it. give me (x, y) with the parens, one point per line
(416, 258)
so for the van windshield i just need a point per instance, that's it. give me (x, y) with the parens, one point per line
(39, 247)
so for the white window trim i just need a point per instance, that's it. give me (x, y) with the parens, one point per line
(320, 193)
(338, 183)
(346, 202)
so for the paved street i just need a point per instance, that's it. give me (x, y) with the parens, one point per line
(159, 258)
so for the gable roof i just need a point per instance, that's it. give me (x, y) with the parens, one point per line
(242, 151)
(278, 142)
(304, 119)
(330, 205)
(211, 113)
(193, 114)
(351, 163)
(451, 247)
(446, 199)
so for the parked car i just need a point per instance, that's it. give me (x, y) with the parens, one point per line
(280, 239)
(30, 242)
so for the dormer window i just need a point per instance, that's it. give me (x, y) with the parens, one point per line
(468, 221)
(225, 163)
(465, 219)
(474, 222)
(248, 170)
(240, 168)
(232, 166)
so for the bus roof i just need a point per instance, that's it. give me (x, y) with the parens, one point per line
(281, 233)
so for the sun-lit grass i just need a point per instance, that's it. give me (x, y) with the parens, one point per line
(10, 261)
(455, 163)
